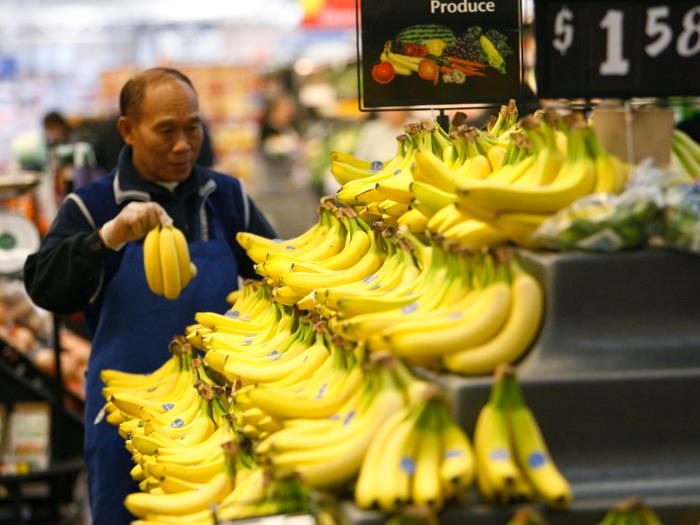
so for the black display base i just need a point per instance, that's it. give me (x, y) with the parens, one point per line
(670, 510)
(615, 312)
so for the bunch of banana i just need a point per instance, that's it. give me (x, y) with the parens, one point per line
(541, 171)
(513, 463)
(166, 258)
(385, 195)
(302, 283)
(125, 394)
(505, 123)
(482, 314)
(327, 452)
(685, 155)
(196, 499)
(250, 321)
(346, 168)
(631, 511)
(311, 392)
(258, 493)
(418, 456)
(406, 262)
(527, 516)
(442, 282)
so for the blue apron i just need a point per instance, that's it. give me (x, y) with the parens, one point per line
(132, 335)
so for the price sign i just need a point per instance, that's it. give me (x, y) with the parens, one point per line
(619, 49)
(438, 52)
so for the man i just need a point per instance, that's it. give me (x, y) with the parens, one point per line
(92, 258)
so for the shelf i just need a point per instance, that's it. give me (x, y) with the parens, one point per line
(58, 469)
(612, 379)
(672, 510)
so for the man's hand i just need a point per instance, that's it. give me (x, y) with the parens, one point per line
(133, 223)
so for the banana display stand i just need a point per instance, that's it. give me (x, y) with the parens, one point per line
(23, 382)
(614, 379)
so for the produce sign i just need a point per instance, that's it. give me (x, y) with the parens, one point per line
(621, 49)
(437, 53)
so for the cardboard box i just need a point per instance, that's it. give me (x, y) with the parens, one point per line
(635, 134)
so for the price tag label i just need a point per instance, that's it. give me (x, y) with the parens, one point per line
(624, 49)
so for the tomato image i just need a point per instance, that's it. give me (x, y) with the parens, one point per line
(383, 72)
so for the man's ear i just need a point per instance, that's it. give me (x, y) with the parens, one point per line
(125, 127)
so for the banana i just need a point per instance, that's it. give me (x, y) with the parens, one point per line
(304, 283)
(397, 464)
(340, 462)
(426, 488)
(456, 328)
(183, 256)
(271, 369)
(430, 196)
(414, 220)
(284, 406)
(346, 170)
(151, 260)
(396, 189)
(142, 504)
(457, 464)
(346, 158)
(403, 61)
(492, 443)
(531, 451)
(430, 169)
(368, 481)
(110, 376)
(476, 234)
(398, 68)
(169, 265)
(516, 335)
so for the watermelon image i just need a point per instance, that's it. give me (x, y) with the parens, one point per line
(424, 33)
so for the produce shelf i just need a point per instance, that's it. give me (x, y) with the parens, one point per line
(613, 379)
(676, 510)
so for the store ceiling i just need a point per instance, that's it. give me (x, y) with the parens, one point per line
(18, 14)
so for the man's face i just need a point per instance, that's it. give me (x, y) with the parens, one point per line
(166, 134)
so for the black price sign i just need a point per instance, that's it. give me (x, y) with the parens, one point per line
(617, 49)
(435, 53)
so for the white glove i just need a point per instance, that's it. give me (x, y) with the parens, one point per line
(133, 223)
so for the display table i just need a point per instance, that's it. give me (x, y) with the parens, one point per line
(614, 381)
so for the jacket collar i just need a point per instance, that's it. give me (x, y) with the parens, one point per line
(129, 185)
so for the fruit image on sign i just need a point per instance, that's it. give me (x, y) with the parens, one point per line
(437, 55)
(442, 52)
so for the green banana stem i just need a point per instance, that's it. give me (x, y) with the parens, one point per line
(537, 140)
(512, 392)
(497, 128)
(455, 154)
(692, 147)
(498, 398)
(472, 147)
(595, 148)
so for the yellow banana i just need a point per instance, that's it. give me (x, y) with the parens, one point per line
(492, 444)
(169, 265)
(183, 256)
(514, 338)
(531, 450)
(151, 260)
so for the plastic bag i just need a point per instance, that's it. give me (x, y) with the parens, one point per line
(604, 222)
(682, 217)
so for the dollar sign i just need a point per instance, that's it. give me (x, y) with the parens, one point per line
(563, 30)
